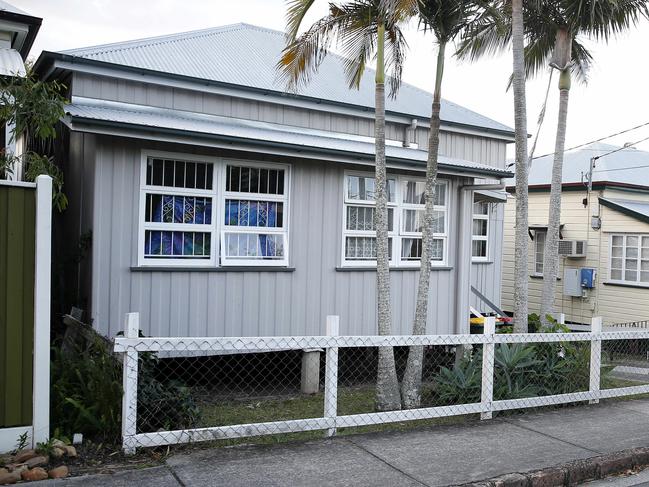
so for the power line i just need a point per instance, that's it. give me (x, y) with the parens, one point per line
(600, 139)
(625, 146)
(622, 168)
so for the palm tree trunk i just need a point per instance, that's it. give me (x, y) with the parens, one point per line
(520, 127)
(387, 384)
(411, 383)
(551, 254)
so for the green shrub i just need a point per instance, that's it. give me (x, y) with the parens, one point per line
(87, 394)
(162, 404)
(520, 370)
(87, 391)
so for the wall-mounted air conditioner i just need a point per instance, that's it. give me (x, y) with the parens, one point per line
(573, 248)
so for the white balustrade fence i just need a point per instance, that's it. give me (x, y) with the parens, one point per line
(182, 390)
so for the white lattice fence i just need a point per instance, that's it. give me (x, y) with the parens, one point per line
(233, 387)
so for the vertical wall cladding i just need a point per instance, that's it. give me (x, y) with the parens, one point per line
(17, 258)
(452, 144)
(231, 303)
(486, 277)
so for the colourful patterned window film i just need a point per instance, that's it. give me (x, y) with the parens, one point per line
(255, 219)
(178, 209)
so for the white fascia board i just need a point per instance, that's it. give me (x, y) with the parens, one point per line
(213, 87)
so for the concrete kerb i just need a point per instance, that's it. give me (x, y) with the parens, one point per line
(573, 473)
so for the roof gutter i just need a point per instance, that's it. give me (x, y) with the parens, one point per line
(33, 25)
(300, 150)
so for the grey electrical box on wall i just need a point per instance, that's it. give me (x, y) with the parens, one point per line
(572, 282)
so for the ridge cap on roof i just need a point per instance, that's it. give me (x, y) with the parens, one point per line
(163, 39)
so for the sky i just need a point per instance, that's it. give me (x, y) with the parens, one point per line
(616, 96)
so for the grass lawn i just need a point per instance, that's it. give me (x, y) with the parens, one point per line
(355, 400)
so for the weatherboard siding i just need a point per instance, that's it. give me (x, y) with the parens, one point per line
(613, 303)
(235, 303)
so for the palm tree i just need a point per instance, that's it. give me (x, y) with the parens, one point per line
(446, 20)
(504, 25)
(363, 29)
(553, 29)
(521, 250)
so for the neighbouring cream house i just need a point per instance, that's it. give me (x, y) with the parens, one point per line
(604, 247)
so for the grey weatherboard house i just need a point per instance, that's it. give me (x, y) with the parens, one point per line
(220, 204)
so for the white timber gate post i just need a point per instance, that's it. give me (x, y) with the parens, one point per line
(42, 286)
(331, 375)
(488, 349)
(129, 383)
(595, 358)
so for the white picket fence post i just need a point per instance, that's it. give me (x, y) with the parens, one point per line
(42, 287)
(129, 383)
(595, 358)
(331, 375)
(488, 349)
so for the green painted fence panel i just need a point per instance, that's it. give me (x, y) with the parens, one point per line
(17, 259)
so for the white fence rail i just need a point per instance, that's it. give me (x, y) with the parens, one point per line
(331, 418)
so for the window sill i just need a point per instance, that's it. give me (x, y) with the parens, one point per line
(540, 276)
(211, 269)
(482, 261)
(626, 284)
(403, 268)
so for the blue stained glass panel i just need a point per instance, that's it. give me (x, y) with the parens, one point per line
(245, 213)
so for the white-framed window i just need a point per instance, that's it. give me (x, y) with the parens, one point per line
(203, 212)
(629, 259)
(405, 220)
(480, 231)
(539, 251)
(255, 226)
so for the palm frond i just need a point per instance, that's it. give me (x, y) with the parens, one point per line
(302, 57)
(296, 10)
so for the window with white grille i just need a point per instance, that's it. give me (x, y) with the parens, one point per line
(178, 220)
(480, 231)
(629, 259)
(539, 251)
(405, 220)
(255, 225)
(199, 211)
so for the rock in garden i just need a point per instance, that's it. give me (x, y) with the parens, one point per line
(58, 443)
(57, 452)
(9, 478)
(36, 461)
(70, 451)
(16, 467)
(59, 472)
(3, 471)
(23, 455)
(37, 473)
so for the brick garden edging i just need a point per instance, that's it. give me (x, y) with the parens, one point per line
(573, 473)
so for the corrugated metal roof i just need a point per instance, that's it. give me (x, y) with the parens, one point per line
(255, 132)
(246, 55)
(11, 63)
(639, 209)
(628, 166)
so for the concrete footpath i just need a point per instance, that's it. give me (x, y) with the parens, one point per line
(435, 456)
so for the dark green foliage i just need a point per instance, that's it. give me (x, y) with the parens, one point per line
(87, 391)
(32, 106)
(37, 165)
(462, 383)
(520, 370)
(162, 404)
(87, 394)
